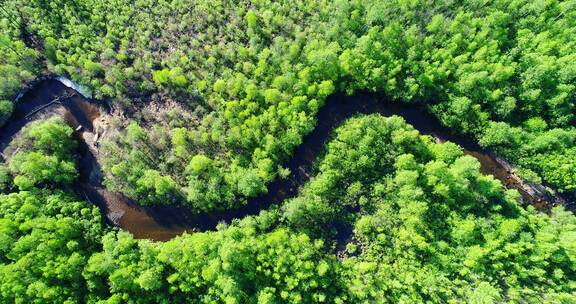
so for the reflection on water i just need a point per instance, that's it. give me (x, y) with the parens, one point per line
(165, 222)
(128, 215)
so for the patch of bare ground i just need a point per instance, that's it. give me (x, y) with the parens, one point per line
(172, 113)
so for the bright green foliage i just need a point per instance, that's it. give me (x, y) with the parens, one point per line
(18, 62)
(33, 168)
(248, 79)
(46, 240)
(237, 265)
(44, 154)
(51, 136)
(173, 77)
(558, 168)
(550, 153)
(6, 108)
(46, 236)
(200, 163)
(252, 76)
(4, 177)
(157, 188)
(427, 226)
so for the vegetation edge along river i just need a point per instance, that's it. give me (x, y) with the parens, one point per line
(210, 103)
(165, 222)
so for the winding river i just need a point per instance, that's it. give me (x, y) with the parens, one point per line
(56, 97)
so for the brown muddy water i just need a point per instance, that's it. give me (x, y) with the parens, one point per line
(165, 222)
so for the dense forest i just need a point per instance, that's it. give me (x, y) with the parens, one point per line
(427, 226)
(210, 98)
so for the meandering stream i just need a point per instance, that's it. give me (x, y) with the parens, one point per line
(53, 97)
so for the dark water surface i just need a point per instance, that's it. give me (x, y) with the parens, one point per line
(165, 222)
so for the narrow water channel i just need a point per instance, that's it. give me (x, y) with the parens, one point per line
(165, 222)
